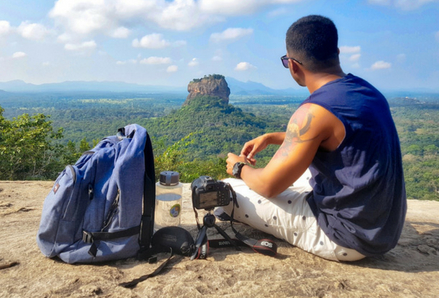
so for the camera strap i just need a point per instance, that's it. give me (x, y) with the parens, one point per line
(132, 284)
(264, 246)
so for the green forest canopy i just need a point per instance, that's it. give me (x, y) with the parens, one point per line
(193, 140)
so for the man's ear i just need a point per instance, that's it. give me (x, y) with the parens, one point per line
(293, 66)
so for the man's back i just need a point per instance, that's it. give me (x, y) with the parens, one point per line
(358, 189)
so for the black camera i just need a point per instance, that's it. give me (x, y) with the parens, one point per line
(208, 193)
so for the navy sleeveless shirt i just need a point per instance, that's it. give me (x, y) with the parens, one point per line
(358, 194)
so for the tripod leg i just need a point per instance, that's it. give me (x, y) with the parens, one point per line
(201, 240)
(221, 231)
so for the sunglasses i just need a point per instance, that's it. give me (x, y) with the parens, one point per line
(285, 59)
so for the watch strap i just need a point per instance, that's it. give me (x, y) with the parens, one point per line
(237, 168)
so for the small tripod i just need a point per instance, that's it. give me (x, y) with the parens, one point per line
(201, 244)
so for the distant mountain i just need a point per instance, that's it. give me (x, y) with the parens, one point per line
(86, 86)
(254, 88)
(236, 87)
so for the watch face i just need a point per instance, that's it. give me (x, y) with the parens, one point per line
(237, 169)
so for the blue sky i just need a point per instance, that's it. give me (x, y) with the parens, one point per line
(394, 44)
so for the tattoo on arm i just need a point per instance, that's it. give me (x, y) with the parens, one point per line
(305, 129)
(299, 125)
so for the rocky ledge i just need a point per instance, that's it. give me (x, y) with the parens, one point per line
(212, 85)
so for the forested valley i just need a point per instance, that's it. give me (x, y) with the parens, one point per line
(42, 133)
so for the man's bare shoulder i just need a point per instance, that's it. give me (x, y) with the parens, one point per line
(330, 128)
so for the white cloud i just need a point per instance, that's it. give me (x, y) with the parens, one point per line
(5, 28)
(64, 38)
(354, 57)
(411, 4)
(33, 31)
(380, 65)
(121, 32)
(85, 18)
(18, 55)
(243, 66)
(284, 1)
(128, 9)
(349, 50)
(151, 41)
(402, 4)
(380, 2)
(156, 60)
(230, 34)
(193, 62)
(181, 15)
(131, 61)
(175, 15)
(230, 7)
(86, 45)
(351, 54)
(218, 55)
(172, 68)
(401, 58)
(277, 12)
(179, 43)
(241, 7)
(82, 16)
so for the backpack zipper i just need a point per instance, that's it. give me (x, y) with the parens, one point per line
(112, 212)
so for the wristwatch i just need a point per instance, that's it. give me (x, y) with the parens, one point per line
(237, 168)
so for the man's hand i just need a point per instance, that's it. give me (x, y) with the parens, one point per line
(232, 159)
(252, 147)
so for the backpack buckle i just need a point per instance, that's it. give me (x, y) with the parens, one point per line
(87, 237)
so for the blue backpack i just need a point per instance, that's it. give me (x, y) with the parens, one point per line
(102, 208)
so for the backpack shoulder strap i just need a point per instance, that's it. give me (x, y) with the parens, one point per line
(147, 222)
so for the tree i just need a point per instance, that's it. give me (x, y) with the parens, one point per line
(431, 150)
(84, 145)
(414, 149)
(170, 159)
(26, 148)
(70, 154)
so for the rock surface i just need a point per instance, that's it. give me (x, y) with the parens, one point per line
(409, 270)
(212, 85)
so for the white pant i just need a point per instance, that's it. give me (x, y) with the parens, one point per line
(288, 217)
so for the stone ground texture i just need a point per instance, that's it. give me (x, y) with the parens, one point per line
(409, 270)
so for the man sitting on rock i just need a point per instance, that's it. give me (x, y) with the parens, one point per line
(354, 203)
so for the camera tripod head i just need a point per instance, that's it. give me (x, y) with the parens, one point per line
(201, 243)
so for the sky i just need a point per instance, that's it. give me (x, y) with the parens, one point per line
(394, 44)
